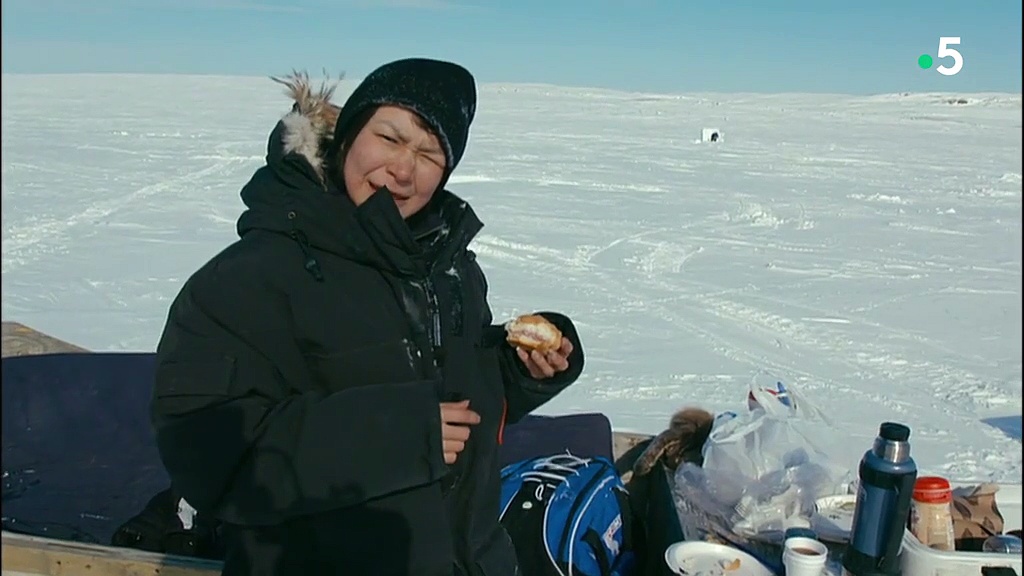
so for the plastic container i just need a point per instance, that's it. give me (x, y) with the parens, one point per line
(931, 515)
(1003, 544)
(916, 559)
(804, 556)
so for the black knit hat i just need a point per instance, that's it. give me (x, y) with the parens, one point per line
(442, 93)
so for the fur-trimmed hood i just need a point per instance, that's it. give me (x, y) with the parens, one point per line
(293, 195)
(308, 130)
(442, 93)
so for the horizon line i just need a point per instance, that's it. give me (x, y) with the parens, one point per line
(344, 78)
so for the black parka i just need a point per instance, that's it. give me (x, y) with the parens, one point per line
(300, 372)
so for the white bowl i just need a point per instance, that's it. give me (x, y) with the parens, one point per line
(833, 517)
(698, 557)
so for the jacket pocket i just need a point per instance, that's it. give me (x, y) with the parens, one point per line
(381, 363)
(189, 385)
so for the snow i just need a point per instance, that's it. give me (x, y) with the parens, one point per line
(864, 249)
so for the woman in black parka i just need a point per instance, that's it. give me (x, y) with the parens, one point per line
(330, 387)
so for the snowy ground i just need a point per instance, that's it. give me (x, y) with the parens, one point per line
(864, 249)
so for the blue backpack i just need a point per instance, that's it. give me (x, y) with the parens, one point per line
(567, 516)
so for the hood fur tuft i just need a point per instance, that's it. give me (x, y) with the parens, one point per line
(308, 130)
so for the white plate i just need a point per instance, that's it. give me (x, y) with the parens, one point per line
(833, 517)
(697, 558)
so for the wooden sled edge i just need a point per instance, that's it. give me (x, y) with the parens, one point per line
(34, 556)
(20, 340)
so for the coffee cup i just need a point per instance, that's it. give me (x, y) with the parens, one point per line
(804, 556)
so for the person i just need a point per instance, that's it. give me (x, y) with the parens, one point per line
(332, 387)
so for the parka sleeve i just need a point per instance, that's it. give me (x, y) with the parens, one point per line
(238, 441)
(523, 393)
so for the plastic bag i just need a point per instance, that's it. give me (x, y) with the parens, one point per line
(764, 468)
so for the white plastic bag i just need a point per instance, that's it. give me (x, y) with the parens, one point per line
(764, 468)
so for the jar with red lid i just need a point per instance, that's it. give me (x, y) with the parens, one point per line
(931, 513)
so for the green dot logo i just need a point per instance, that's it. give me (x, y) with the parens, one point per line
(926, 61)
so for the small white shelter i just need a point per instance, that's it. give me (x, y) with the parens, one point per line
(710, 135)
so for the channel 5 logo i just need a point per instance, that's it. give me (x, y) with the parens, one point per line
(925, 60)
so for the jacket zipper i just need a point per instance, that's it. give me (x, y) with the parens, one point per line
(434, 310)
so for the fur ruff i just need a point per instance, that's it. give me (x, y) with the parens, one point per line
(309, 127)
(682, 441)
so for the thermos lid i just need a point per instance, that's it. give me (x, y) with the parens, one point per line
(800, 532)
(894, 432)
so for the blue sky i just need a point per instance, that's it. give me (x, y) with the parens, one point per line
(845, 46)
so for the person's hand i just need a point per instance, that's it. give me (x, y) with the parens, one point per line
(456, 418)
(542, 365)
